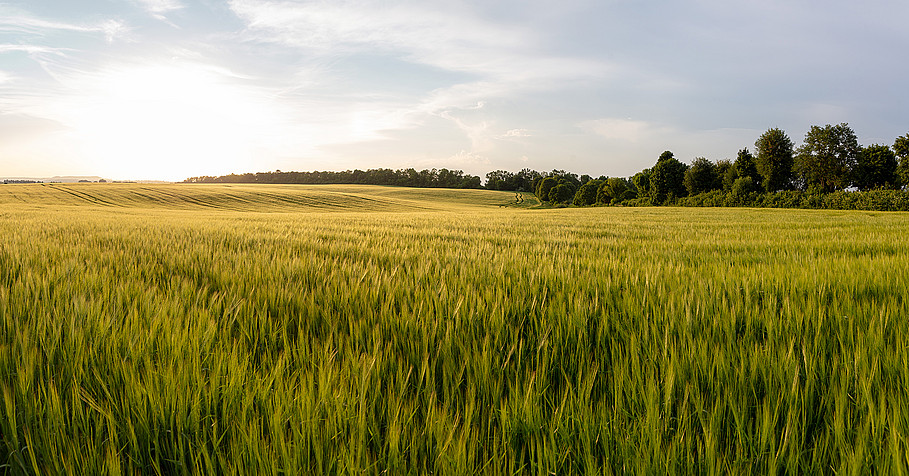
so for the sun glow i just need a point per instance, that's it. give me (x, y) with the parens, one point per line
(171, 122)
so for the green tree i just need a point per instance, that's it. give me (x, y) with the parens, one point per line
(587, 194)
(745, 165)
(545, 186)
(828, 157)
(901, 149)
(701, 177)
(774, 160)
(641, 181)
(499, 180)
(613, 190)
(667, 179)
(876, 168)
(724, 168)
(561, 193)
(742, 189)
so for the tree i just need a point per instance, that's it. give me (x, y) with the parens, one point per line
(701, 177)
(641, 181)
(469, 181)
(725, 168)
(561, 193)
(546, 185)
(566, 176)
(742, 188)
(613, 190)
(587, 194)
(901, 149)
(499, 180)
(526, 179)
(828, 157)
(745, 165)
(667, 179)
(774, 159)
(876, 168)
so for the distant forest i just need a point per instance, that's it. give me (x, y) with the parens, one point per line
(441, 178)
(829, 170)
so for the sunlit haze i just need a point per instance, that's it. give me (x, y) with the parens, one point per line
(167, 89)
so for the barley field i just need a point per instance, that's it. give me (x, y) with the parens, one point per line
(216, 329)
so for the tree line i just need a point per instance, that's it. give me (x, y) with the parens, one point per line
(829, 170)
(433, 178)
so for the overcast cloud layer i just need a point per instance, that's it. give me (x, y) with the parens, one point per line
(165, 89)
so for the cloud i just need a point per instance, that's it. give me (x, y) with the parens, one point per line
(515, 133)
(30, 49)
(476, 131)
(415, 29)
(504, 57)
(25, 25)
(624, 130)
(475, 56)
(160, 8)
(467, 159)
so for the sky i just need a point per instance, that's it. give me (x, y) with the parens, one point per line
(168, 89)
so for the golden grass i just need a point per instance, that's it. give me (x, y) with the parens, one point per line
(253, 198)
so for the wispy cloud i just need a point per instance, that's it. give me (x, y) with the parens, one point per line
(504, 58)
(160, 8)
(446, 37)
(625, 130)
(25, 25)
(30, 49)
(515, 134)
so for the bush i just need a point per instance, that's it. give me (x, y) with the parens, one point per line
(588, 193)
(561, 193)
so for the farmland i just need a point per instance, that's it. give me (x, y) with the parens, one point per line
(253, 329)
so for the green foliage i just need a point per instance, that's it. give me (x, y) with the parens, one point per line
(729, 178)
(614, 190)
(828, 157)
(562, 193)
(555, 178)
(742, 189)
(641, 181)
(441, 178)
(746, 166)
(774, 160)
(141, 339)
(587, 194)
(702, 176)
(901, 149)
(667, 179)
(876, 168)
(725, 171)
(545, 186)
(523, 181)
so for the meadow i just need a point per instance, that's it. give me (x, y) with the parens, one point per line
(249, 329)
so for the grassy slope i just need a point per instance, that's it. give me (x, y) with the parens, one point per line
(256, 198)
(484, 341)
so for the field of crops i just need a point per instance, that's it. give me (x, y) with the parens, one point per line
(253, 198)
(183, 329)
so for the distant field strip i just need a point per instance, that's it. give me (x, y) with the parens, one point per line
(258, 198)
